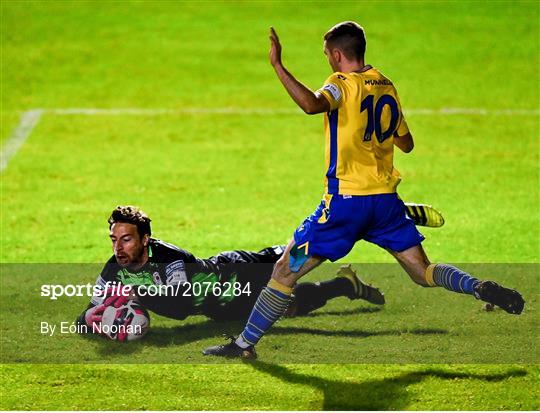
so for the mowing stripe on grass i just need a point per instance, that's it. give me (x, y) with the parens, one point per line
(30, 118)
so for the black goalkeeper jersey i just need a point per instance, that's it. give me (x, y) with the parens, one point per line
(194, 285)
(166, 265)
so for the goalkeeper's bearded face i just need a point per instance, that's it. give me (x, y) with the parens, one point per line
(129, 248)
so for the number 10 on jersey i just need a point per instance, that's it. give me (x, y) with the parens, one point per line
(375, 114)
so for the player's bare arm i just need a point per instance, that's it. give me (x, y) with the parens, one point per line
(309, 101)
(405, 142)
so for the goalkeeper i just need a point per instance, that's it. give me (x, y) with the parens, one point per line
(222, 287)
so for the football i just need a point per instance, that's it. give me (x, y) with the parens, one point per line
(126, 323)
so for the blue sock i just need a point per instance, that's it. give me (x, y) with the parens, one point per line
(454, 279)
(270, 306)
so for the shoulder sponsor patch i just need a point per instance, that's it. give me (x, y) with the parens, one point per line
(175, 273)
(333, 90)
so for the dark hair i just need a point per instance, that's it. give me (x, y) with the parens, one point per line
(131, 215)
(349, 37)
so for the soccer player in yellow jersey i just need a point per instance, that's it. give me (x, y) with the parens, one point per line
(363, 123)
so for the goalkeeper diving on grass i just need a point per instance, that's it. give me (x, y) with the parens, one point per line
(363, 123)
(223, 287)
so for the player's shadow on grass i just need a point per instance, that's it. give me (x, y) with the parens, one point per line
(162, 336)
(353, 333)
(189, 333)
(359, 310)
(390, 393)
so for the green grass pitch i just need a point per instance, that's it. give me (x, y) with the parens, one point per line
(245, 179)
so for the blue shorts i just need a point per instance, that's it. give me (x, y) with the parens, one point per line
(341, 220)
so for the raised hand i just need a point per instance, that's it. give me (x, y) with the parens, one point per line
(275, 48)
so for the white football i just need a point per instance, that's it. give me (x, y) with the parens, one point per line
(126, 323)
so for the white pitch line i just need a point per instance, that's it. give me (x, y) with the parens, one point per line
(28, 122)
(30, 118)
(474, 111)
(277, 111)
(164, 111)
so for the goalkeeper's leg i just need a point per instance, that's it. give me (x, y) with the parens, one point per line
(309, 296)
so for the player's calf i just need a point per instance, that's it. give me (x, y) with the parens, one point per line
(416, 263)
(451, 278)
(454, 279)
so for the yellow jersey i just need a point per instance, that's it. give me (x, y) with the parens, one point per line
(365, 116)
